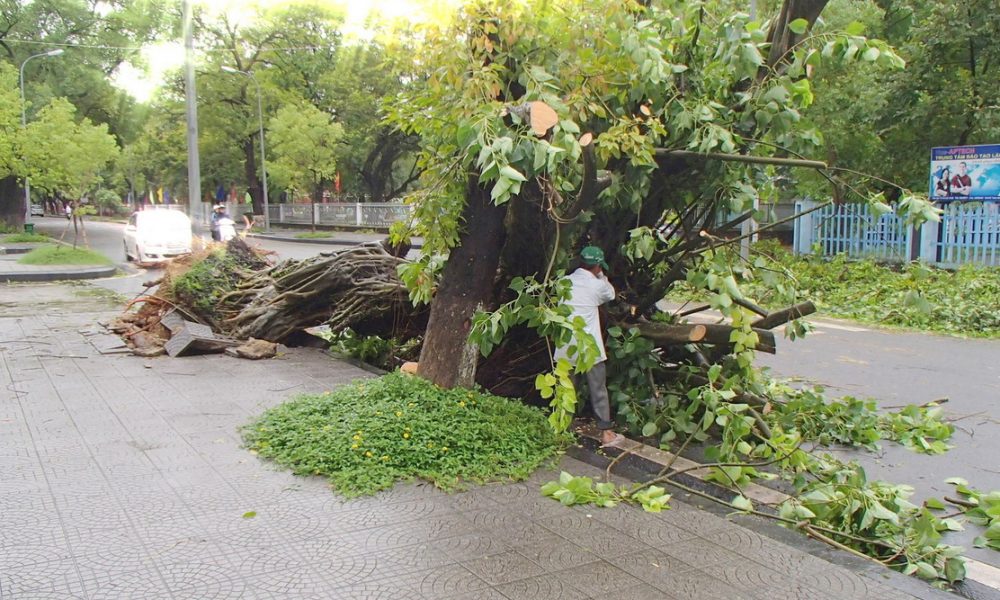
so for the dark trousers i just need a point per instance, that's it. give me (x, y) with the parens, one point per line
(598, 391)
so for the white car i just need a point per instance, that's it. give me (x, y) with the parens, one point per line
(37, 210)
(157, 235)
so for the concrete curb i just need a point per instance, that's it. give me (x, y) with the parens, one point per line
(65, 275)
(644, 462)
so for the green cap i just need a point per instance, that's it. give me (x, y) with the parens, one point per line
(592, 255)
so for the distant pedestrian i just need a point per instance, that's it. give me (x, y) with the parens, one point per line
(248, 212)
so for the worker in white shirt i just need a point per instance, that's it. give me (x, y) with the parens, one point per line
(590, 289)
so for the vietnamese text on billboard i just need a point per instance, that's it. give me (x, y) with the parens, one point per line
(966, 173)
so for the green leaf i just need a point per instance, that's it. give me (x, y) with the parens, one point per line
(881, 512)
(934, 504)
(649, 429)
(952, 525)
(954, 569)
(742, 503)
(799, 26)
(956, 481)
(926, 571)
(250, 514)
(855, 28)
(550, 488)
(511, 173)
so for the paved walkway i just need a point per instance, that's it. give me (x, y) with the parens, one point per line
(123, 477)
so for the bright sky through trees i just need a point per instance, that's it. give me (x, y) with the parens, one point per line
(167, 55)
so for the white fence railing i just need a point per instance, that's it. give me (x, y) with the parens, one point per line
(968, 233)
(339, 214)
(357, 214)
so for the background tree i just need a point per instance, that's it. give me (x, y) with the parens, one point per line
(64, 155)
(98, 37)
(303, 146)
(886, 121)
(10, 131)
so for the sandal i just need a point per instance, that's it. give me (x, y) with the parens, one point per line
(615, 442)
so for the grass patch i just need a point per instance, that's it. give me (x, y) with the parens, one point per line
(25, 238)
(312, 235)
(63, 255)
(370, 434)
(913, 295)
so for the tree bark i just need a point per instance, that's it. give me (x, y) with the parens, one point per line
(253, 183)
(11, 202)
(466, 286)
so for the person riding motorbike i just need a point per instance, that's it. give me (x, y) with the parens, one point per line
(221, 223)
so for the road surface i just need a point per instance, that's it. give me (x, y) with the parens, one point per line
(897, 368)
(106, 238)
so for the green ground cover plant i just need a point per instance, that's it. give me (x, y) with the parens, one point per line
(63, 255)
(313, 235)
(25, 238)
(372, 433)
(206, 282)
(384, 353)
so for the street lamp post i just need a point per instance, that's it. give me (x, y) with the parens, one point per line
(263, 161)
(24, 125)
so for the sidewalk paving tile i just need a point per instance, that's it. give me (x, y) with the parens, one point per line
(123, 477)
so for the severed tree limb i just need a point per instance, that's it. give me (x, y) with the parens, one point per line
(592, 185)
(744, 158)
(772, 320)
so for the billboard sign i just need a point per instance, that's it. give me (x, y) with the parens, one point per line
(965, 173)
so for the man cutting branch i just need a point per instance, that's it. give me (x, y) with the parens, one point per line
(590, 289)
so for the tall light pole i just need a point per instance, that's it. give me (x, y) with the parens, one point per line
(191, 106)
(24, 125)
(263, 161)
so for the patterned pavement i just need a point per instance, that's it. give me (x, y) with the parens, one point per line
(123, 477)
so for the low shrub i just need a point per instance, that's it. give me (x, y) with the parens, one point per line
(367, 435)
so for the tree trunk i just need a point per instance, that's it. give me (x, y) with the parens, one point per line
(446, 358)
(253, 184)
(11, 202)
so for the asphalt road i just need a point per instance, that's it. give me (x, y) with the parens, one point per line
(106, 237)
(897, 368)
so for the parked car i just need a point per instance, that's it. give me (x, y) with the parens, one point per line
(157, 235)
(37, 210)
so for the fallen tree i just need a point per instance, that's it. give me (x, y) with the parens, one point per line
(544, 139)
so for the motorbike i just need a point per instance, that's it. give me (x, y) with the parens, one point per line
(227, 229)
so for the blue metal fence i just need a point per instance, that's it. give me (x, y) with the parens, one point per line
(968, 233)
(854, 230)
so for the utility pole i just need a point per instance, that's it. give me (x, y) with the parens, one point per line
(194, 164)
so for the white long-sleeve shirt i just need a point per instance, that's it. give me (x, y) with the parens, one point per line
(588, 292)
